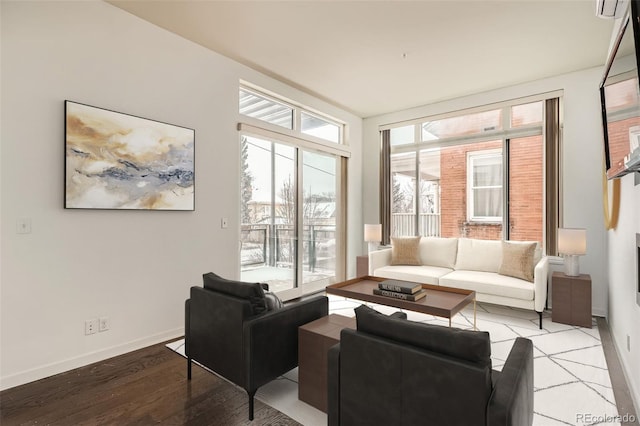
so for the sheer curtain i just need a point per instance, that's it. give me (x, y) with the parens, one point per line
(487, 183)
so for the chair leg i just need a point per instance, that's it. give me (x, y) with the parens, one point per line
(251, 395)
(188, 368)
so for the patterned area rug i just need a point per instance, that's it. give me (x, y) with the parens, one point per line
(571, 380)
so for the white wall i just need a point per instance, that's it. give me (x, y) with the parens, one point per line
(135, 267)
(624, 313)
(582, 160)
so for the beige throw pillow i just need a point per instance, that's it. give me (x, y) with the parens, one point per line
(517, 260)
(405, 251)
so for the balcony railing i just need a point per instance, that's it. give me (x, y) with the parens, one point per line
(404, 224)
(274, 245)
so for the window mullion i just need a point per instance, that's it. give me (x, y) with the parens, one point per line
(505, 189)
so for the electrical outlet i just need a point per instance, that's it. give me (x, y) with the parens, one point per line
(628, 343)
(105, 324)
(91, 326)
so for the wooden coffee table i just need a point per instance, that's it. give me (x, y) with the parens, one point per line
(440, 301)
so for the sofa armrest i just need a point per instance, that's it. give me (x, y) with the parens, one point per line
(378, 259)
(270, 341)
(511, 403)
(540, 279)
(333, 385)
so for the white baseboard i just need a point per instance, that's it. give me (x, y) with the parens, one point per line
(633, 387)
(48, 370)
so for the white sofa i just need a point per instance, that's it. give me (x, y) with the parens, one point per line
(469, 264)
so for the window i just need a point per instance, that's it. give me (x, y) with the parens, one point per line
(484, 186)
(469, 124)
(289, 116)
(403, 135)
(477, 174)
(265, 109)
(319, 127)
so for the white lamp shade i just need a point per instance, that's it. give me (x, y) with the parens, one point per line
(572, 241)
(373, 233)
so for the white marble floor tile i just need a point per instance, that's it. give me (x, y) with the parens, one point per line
(587, 373)
(593, 356)
(510, 312)
(282, 394)
(498, 332)
(547, 373)
(527, 331)
(593, 331)
(540, 420)
(552, 327)
(500, 350)
(564, 341)
(571, 403)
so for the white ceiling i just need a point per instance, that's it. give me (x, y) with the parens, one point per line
(351, 53)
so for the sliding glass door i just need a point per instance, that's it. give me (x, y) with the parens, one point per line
(268, 220)
(289, 217)
(319, 220)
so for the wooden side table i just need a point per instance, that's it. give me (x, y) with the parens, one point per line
(571, 298)
(362, 266)
(314, 341)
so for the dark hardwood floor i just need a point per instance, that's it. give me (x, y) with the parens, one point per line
(144, 387)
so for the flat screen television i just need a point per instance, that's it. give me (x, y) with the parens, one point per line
(620, 98)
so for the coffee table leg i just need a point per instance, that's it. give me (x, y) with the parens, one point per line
(474, 314)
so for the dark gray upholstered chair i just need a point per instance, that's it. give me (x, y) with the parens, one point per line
(393, 371)
(230, 330)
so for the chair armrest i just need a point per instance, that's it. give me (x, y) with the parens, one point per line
(333, 385)
(511, 403)
(540, 279)
(378, 259)
(399, 315)
(270, 341)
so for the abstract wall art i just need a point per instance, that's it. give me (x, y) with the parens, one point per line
(120, 161)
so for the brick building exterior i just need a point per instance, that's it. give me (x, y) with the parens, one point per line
(526, 192)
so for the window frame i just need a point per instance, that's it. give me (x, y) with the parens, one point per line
(472, 156)
(297, 111)
(303, 142)
(551, 129)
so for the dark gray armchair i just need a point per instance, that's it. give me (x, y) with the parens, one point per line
(397, 372)
(230, 329)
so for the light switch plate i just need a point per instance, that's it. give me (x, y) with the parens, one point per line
(23, 225)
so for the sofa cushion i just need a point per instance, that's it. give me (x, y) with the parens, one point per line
(473, 346)
(489, 283)
(517, 260)
(405, 251)
(252, 292)
(419, 274)
(479, 255)
(436, 251)
(537, 253)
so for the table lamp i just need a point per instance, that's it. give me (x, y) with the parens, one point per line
(572, 242)
(373, 235)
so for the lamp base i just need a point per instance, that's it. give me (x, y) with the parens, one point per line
(373, 246)
(571, 265)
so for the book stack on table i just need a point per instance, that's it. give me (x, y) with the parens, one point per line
(400, 290)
